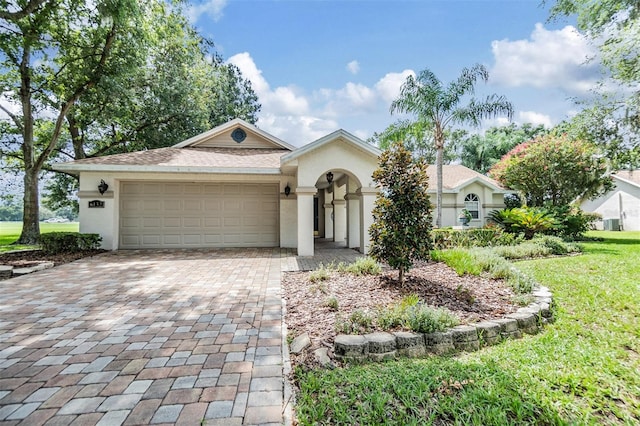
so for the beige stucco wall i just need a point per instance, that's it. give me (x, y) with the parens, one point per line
(453, 203)
(336, 156)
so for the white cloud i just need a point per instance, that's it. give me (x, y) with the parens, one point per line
(281, 100)
(389, 86)
(548, 59)
(534, 118)
(8, 102)
(211, 8)
(296, 130)
(353, 67)
(298, 117)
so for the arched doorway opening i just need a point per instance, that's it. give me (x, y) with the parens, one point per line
(337, 215)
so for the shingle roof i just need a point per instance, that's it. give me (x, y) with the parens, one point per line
(456, 175)
(191, 157)
(630, 175)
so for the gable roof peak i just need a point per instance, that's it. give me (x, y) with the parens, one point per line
(336, 135)
(229, 125)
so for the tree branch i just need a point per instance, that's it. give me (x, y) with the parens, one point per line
(91, 81)
(27, 10)
(13, 117)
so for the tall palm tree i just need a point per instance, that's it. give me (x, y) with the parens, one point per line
(439, 106)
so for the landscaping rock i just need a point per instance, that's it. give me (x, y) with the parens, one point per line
(6, 271)
(300, 343)
(322, 356)
(387, 356)
(545, 312)
(380, 343)
(508, 328)
(465, 338)
(488, 333)
(527, 322)
(439, 343)
(410, 344)
(542, 292)
(42, 266)
(351, 346)
(22, 271)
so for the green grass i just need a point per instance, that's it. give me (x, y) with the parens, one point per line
(583, 369)
(10, 232)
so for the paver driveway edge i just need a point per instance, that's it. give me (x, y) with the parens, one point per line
(289, 394)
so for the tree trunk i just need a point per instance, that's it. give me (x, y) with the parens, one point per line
(77, 138)
(439, 154)
(401, 276)
(31, 211)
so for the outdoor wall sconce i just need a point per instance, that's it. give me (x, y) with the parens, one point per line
(102, 188)
(287, 190)
(329, 177)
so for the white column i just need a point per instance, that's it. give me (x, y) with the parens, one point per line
(339, 221)
(353, 220)
(339, 211)
(367, 201)
(305, 220)
(328, 214)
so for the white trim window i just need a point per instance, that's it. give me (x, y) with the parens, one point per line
(472, 204)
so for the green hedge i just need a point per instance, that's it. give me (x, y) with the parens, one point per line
(69, 242)
(473, 237)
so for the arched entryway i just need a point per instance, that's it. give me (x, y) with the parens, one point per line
(337, 208)
(348, 198)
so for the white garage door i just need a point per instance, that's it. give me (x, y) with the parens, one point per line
(171, 214)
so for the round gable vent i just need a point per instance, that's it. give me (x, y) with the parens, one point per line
(238, 135)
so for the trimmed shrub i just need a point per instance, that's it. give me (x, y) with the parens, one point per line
(523, 251)
(69, 242)
(460, 260)
(362, 266)
(414, 315)
(474, 237)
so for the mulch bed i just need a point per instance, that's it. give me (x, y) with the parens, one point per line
(21, 259)
(471, 299)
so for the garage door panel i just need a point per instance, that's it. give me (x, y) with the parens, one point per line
(172, 206)
(171, 222)
(192, 206)
(152, 222)
(192, 222)
(151, 240)
(213, 205)
(172, 240)
(174, 214)
(192, 239)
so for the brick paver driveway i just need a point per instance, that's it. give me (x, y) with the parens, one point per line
(145, 337)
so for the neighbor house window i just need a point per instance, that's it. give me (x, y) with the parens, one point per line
(472, 204)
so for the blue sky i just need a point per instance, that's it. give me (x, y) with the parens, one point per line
(322, 65)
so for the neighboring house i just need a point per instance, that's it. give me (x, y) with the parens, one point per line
(622, 203)
(233, 186)
(463, 188)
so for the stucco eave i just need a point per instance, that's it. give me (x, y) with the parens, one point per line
(76, 169)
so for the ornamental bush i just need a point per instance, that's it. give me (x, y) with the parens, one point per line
(69, 242)
(554, 170)
(401, 230)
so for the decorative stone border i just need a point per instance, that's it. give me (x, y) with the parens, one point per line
(8, 271)
(382, 345)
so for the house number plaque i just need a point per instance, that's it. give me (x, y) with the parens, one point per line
(96, 204)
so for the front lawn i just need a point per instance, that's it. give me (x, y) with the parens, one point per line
(583, 369)
(10, 232)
